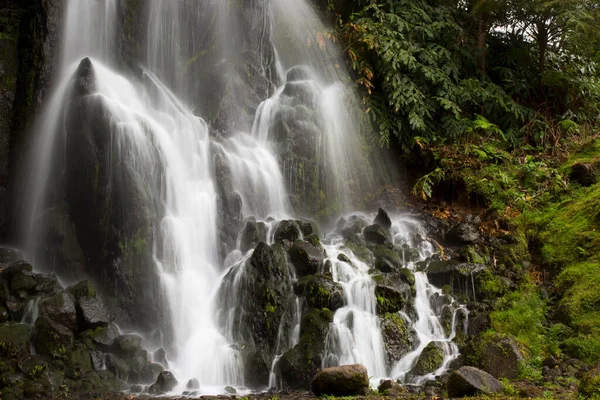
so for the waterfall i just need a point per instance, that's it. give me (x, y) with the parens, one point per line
(230, 116)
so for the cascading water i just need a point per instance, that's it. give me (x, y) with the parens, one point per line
(279, 136)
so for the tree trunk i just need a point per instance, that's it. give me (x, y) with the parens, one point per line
(482, 32)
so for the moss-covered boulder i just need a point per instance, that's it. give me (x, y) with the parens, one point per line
(165, 382)
(52, 339)
(431, 358)
(299, 365)
(497, 354)
(320, 291)
(386, 258)
(307, 256)
(91, 313)
(345, 380)
(389, 300)
(82, 289)
(458, 276)
(590, 384)
(128, 344)
(398, 337)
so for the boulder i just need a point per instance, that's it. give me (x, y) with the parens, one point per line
(376, 234)
(299, 365)
(15, 268)
(103, 336)
(298, 73)
(585, 174)
(383, 219)
(82, 289)
(52, 339)
(391, 388)
(465, 232)
(590, 383)
(287, 230)
(389, 300)
(252, 234)
(117, 366)
(499, 356)
(346, 380)
(193, 384)
(398, 337)
(469, 381)
(320, 291)
(460, 277)
(128, 344)
(307, 256)
(386, 259)
(150, 372)
(431, 358)
(9, 255)
(92, 313)
(164, 383)
(160, 356)
(61, 309)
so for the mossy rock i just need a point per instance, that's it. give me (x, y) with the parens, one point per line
(287, 231)
(82, 289)
(23, 280)
(252, 234)
(96, 382)
(61, 309)
(409, 254)
(389, 300)
(376, 234)
(590, 384)
(299, 365)
(430, 359)
(361, 252)
(344, 258)
(320, 291)
(14, 338)
(79, 361)
(52, 339)
(398, 337)
(9, 255)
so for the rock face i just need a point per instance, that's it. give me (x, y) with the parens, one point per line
(256, 294)
(398, 337)
(347, 380)
(110, 207)
(500, 356)
(468, 381)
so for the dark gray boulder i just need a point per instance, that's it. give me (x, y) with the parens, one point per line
(383, 219)
(465, 232)
(92, 313)
(60, 308)
(287, 230)
(346, 380)
(252, 234)
(469, 381)
(376, 234)
(307, 256)
(164, 383)
(320, 291)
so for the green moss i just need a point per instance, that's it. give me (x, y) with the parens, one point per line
(360, 252)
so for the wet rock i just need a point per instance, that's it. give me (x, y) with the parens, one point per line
(346, 380)
(376, 234)
(92, 313)
(164, 383)
(298, 73)
(383, 219)
(391, 388)
(82, 289)
(430, 359)
(466, 232)
(23, 281)
(103, 336)
(52, 339)
(128, 344)
(389, 300)
(307, 256)
(398, 337)
(308, 227)
(117, 366)
(160, 356)
(460, 277)
(230, 390)
(97, 360)
(387, 260)
(299, 365)
(61, 309)
(320, 291)
(150, 372)
(137, 388)
(287, 230)
(193, 384)
(252, 234)
(344, 258)
(469, 381)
